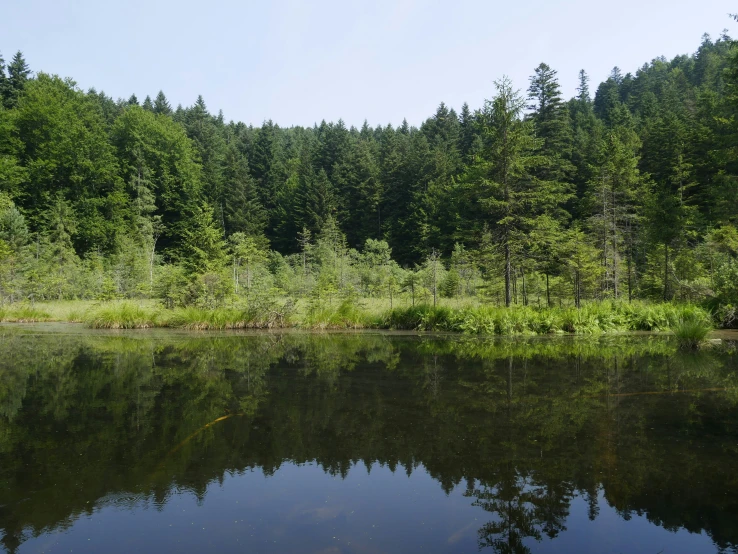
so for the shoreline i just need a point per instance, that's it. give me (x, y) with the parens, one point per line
(604, 318)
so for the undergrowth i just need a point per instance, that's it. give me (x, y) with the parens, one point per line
(351, 313)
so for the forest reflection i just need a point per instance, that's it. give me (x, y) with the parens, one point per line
(524, 425)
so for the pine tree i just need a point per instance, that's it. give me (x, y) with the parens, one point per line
(504, 177)
(358, 180)
(161, 105)
(148, 105)
(203, 248)
(467, 131)
(4, 84)
(243, 211)
(211, 147)
(18, 75)
(550, 118)
(315, 200)
(583, 88)
(615, 197)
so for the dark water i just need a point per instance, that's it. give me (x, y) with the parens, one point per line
(162, 442)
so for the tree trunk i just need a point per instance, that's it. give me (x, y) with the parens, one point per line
(666, 271)
(548, 293)
(508, 275)
(435, 288)
(525, 293)
(630, 277)
(604, 237)
(235, 275)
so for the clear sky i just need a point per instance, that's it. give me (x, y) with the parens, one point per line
(298, 62)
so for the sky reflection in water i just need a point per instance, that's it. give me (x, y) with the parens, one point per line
(114, 442)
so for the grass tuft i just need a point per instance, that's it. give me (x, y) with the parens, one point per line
(692, 332)
(124, 315)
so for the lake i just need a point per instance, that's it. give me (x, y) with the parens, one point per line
(157, 441)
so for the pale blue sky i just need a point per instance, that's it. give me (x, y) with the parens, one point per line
(300, 62)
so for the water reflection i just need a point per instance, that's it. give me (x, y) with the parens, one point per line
(522, 430)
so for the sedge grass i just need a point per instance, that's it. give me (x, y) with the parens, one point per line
(124, 315)
(457, 316)
(692, 332)
(23, 313)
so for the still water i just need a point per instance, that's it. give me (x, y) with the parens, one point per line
(364, 443)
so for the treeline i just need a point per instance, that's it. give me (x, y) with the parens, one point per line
(529, 199)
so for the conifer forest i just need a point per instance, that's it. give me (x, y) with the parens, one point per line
(624, 193)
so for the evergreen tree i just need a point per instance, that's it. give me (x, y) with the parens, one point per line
(209, 143)
(243, 210)
(467, 131)
(203, 248)
(315, 200)
(615, 199)
(4, 84)
(18, 75)
(161, 105)
(357, 179)
(551, 122)
(508, 190)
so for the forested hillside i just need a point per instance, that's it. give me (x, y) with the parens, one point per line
(628, 190)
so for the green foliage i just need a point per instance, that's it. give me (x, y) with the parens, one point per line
(531, 201)
(22, 313)
(203, 247)
(605, 317)
(125, 315)
(692, 332)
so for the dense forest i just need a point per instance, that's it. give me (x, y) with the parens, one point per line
(629, 190)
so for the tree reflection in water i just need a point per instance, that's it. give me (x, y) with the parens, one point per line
(526, 424)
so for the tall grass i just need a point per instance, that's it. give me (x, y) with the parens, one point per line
(124, 315)
(352, 313)
(23, 313)
(692, 332)
(129, 315)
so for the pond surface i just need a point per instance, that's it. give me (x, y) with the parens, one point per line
(364, 443)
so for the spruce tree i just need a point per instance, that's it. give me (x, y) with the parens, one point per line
(315, 201)
(210, 145)
(551, 123)
(161, 105)
(18, 75)
(203, 248)
(243, 211)
(4, 84)
(467, 131)
(504, 177)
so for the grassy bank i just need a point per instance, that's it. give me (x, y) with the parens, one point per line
(603, 317)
